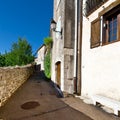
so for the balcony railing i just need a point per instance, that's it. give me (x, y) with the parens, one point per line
(92, 5)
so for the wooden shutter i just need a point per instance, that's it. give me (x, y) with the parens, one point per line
(95, 33)
(118, 27)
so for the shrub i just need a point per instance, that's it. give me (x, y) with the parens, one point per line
(47, 65)
(47, 41)
(47, 60)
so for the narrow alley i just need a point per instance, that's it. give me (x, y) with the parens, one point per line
(37, 99)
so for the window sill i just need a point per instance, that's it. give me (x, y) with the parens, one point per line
(103, 44)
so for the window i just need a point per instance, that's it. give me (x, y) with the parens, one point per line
(107, 29)
(111, 26)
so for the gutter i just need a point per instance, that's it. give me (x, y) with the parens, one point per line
(75, 46)
(78, 46)
(79, 63)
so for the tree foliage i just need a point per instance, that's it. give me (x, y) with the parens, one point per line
(48, 43)
(47, 65)
(47, 60)
(2, 60)
(20, 54)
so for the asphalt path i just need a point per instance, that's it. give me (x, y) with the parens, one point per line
(37, 99)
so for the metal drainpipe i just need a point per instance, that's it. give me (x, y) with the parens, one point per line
(79, 60)
(75, 46)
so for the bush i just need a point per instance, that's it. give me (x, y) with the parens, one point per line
(47, 60)
(47, 41)
(47, 65)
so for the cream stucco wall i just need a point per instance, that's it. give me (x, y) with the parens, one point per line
(100, 65)
(40, 57)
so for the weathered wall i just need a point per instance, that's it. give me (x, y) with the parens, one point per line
(58, 43)
(69, 25)
(62, 50)
(11, 78)
(69, 36)
(68, 75)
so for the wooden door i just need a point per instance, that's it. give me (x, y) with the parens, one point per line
(58, 73)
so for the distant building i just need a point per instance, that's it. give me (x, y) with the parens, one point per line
(40, 58)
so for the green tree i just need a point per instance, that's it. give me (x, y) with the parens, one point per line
(9, 59)
(2, 60)
(20, 54)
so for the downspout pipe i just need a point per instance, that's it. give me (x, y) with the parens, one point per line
(79, 60)
(75, 46)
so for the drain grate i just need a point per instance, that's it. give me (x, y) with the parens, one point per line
(30, 105)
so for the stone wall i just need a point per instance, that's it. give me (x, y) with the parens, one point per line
(11, 78)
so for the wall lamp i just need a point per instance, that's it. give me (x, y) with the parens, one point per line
(53, 26)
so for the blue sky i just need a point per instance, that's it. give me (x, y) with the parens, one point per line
(28, 19)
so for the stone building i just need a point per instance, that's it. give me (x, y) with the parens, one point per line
(40, 58)
(63, 44)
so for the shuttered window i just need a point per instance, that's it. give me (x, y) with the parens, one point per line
(95, 33)
(111, 27)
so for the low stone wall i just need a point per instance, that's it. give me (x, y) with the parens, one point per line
(11, 78)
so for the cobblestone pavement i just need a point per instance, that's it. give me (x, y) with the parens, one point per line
(37, 99)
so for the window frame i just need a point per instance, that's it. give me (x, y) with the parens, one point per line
(105, 32)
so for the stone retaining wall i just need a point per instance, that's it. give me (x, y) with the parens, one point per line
(11, 78)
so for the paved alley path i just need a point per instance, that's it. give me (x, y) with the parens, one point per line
(36, 99)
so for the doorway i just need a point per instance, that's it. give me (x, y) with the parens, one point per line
(58, 74)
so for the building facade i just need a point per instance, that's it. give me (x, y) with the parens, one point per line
(101, 49)
(98, 35)
(63, 45)
(86, 55)
(40, 58)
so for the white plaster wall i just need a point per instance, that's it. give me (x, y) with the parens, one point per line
(40, 58)
(100, 65)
